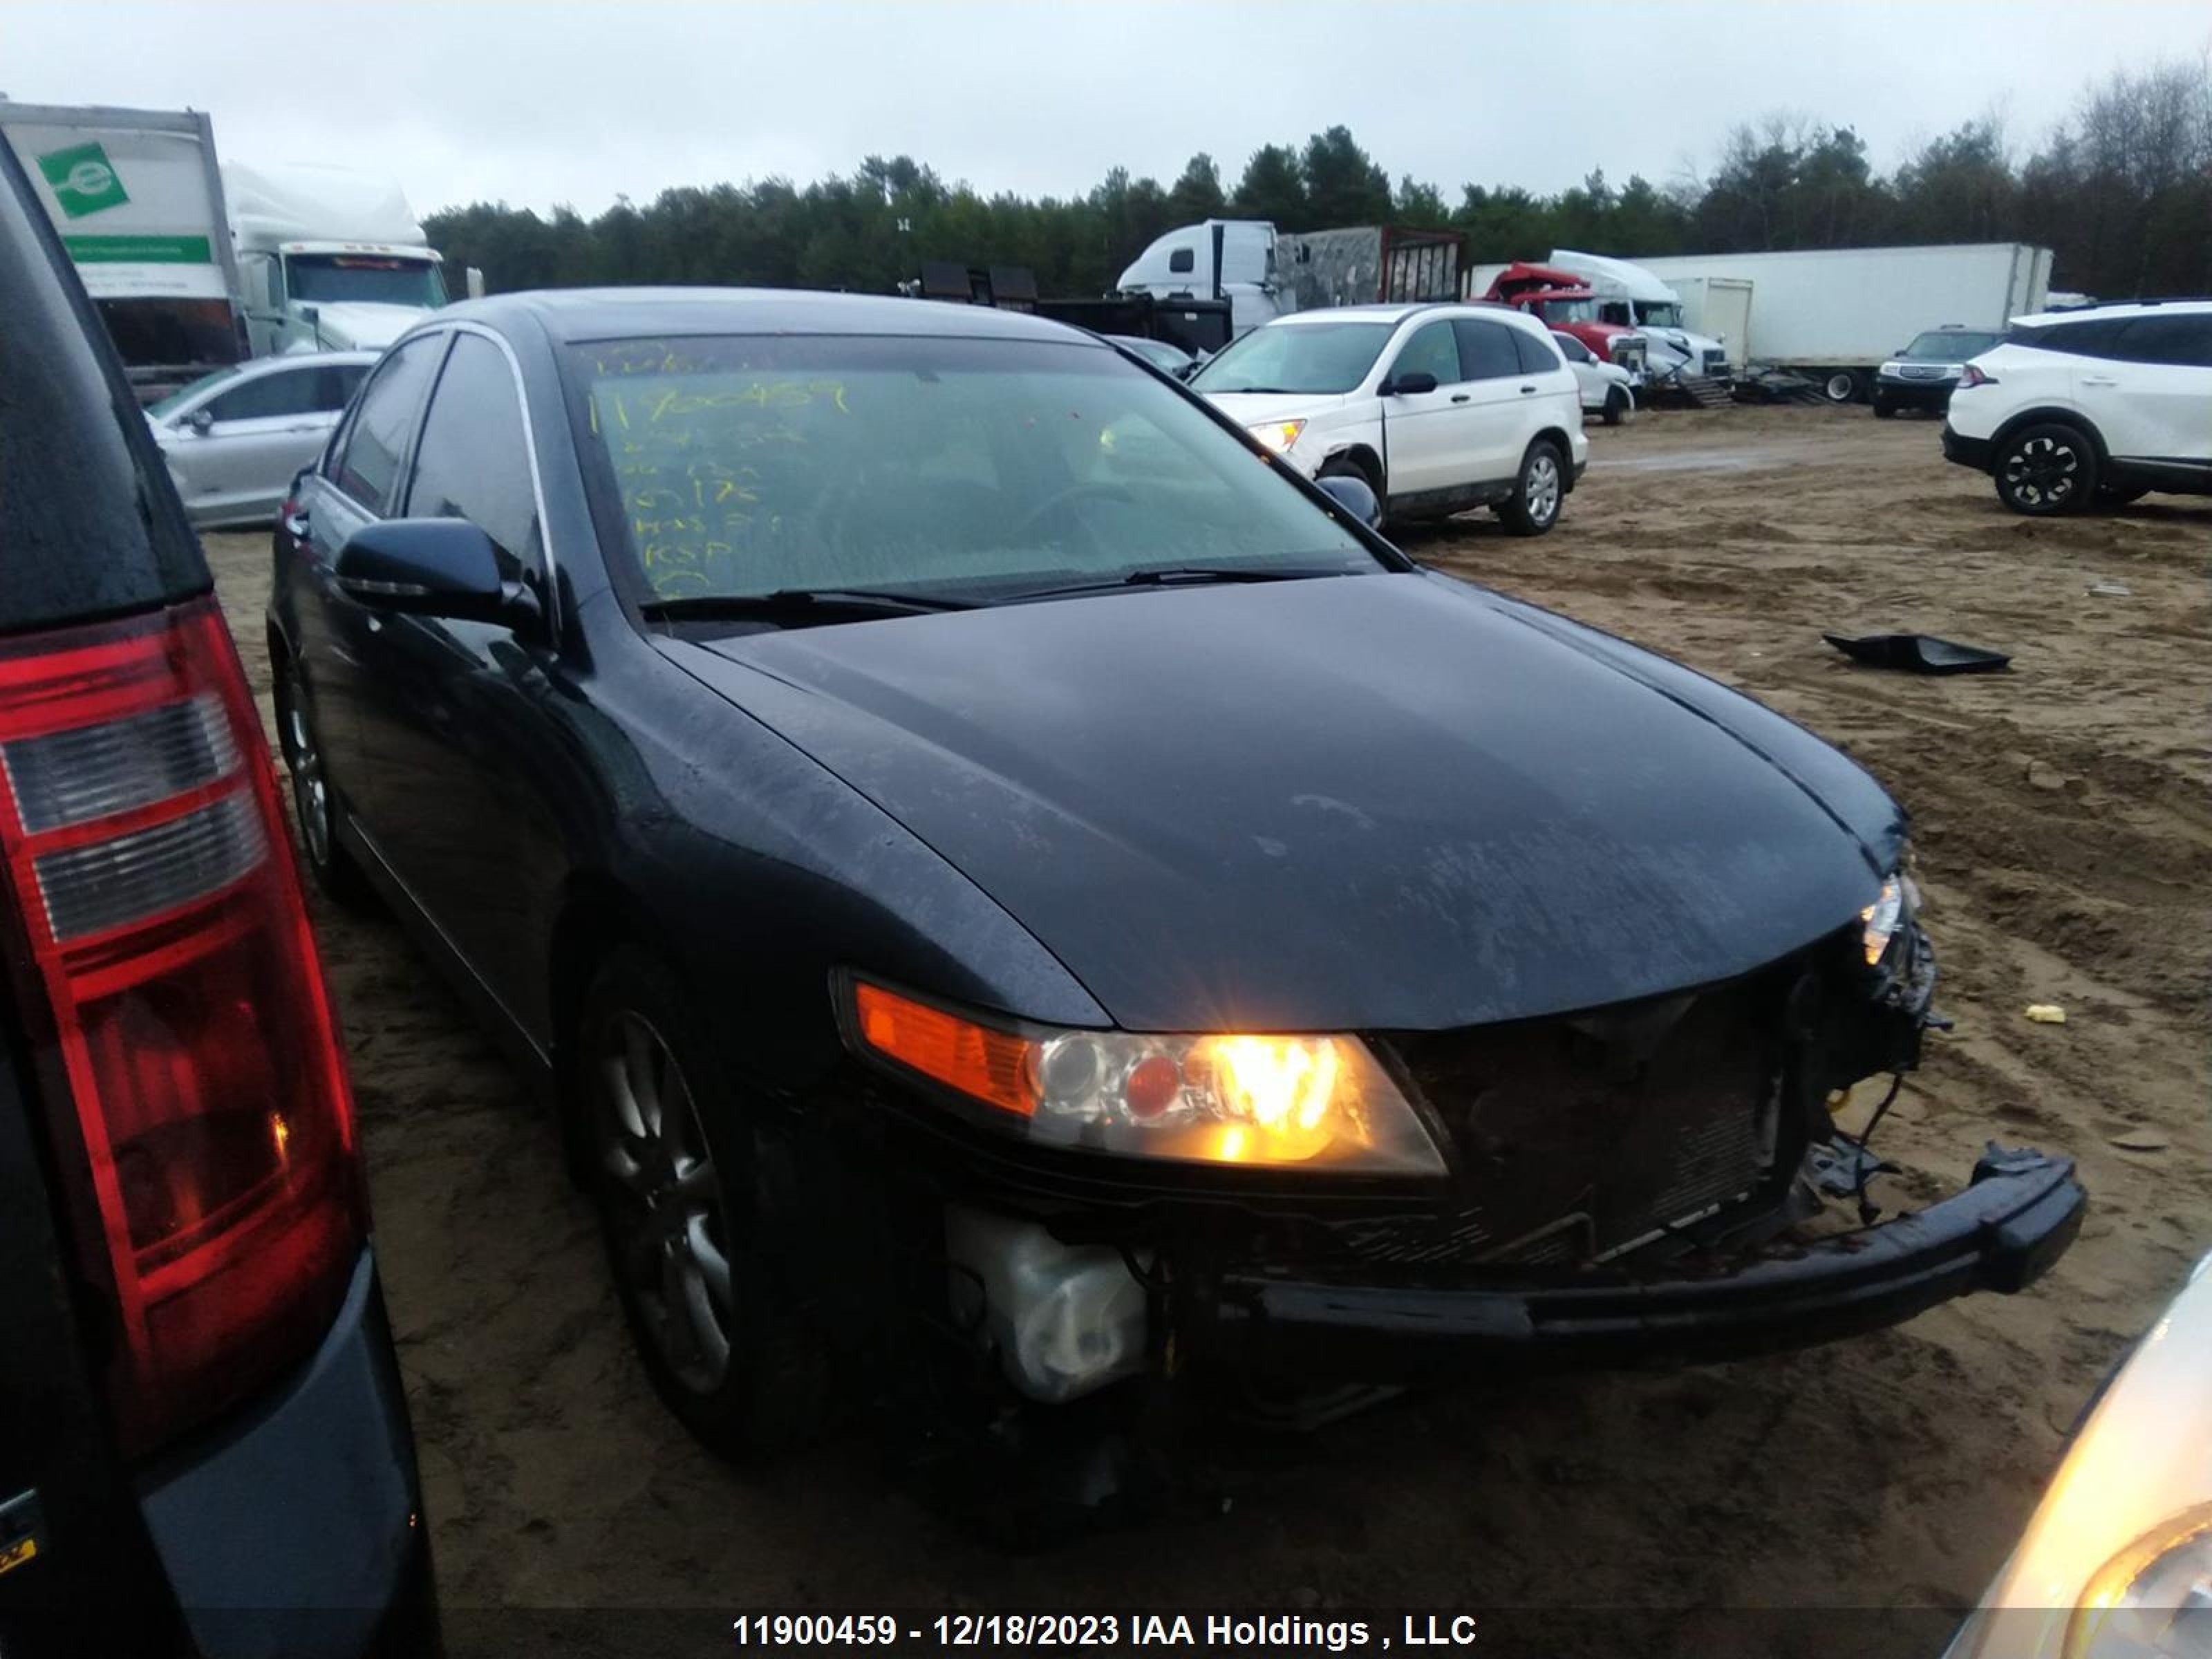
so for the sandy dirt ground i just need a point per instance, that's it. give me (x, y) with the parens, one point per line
(2065, 844)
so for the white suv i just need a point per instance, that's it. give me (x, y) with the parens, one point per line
(2080, 407)
(1436, 408)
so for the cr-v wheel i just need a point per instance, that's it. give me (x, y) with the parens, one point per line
(2046, 469)
(689, 1230)
(1538, 491)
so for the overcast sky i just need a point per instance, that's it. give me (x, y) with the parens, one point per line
(537, 104)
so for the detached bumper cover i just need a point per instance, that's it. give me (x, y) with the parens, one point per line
(2001, 1234)
(1966, 451)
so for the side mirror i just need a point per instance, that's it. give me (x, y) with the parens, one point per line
(1353, 495)
(201, 419)
(429, 567)
(1408, 385)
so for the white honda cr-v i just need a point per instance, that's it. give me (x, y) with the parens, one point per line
(1436, 408)
(2077, 406)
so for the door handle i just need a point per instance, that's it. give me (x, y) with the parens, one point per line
(1459, 397)
(1526, 390)
(2098, 379)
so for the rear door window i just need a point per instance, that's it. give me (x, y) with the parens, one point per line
(89, 524)
(1490, 351)
(1537, 356)
(263, 396)
(473, 462)
(2094, 337)
(365, 464)
(2178, 340)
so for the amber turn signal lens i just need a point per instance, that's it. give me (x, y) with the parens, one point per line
(994, 1066)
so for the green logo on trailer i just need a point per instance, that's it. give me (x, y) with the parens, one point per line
(83, 179)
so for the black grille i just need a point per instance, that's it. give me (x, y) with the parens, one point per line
(1583, 1135)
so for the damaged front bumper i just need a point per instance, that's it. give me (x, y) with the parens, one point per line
(2019, 1215)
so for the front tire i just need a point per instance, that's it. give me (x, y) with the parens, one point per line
(690, 1228)
(1618, 406)
(1883, 411)
(2046, 469)
(316, 800)
(1539, 489)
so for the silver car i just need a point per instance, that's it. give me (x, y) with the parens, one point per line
(234, 438)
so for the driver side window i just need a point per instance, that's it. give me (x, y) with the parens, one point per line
(1432, 350)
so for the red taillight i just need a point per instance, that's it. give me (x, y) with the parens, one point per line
(139, 830)
(1972, 376)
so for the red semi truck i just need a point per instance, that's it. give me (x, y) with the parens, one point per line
(1566, 305)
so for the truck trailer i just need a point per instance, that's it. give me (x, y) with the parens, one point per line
(1834, 314)
(137, 199)
(1264, 274)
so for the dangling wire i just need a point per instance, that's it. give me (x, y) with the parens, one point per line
(1867, 1211)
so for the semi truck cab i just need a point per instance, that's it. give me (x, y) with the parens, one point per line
(336, 296)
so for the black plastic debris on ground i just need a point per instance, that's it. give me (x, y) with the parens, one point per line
(1918, 653)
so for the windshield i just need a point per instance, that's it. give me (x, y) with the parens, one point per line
(184, 394)
(1949, 345)
(374, 278)
(975, 469)
(1659, 314)
(1326, 357)
(1583, 310)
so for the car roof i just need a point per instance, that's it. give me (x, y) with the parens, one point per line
(303, 360)
(568, 315)
(1399, 314)
(2138, 308)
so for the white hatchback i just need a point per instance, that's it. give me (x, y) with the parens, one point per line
(1436, 408)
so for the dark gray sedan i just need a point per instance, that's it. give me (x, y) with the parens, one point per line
(1016, 895)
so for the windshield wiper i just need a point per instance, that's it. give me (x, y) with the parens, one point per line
(1184, 575)
(786, 601)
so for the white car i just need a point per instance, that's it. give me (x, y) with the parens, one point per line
(1436, 408)
(235, 439)
(2116, 1561)
(1607, 389)
(2078, 406)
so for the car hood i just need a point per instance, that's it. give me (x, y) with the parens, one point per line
(1251, 408)
(362, 325)
(1383, 801)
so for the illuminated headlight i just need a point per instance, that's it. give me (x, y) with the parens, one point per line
(1277, 436)
(1308, 1102)
(2153, 1599)
(1890, 914)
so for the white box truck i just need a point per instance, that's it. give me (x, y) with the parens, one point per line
(1836, 313)
(137, 199)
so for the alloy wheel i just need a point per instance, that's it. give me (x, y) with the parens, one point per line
(2042, 472)
(310, 792)
(665, 1212)
(1542, 489)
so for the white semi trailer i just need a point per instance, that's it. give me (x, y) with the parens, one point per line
(1836, 313)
